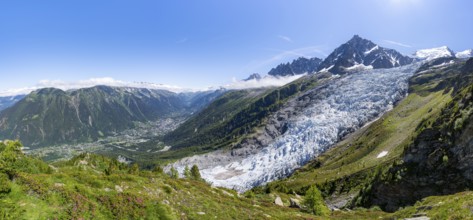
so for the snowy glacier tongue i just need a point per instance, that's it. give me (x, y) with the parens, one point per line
(345, 104)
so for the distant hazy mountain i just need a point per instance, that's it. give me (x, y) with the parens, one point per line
(52, 116)
(6, 102)
(253, 76)
(359, 53)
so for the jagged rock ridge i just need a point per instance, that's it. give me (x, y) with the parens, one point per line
(359, 54)
(298, 66)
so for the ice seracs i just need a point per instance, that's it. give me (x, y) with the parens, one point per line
(434, 53)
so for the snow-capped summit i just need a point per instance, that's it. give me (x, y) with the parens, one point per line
(359, 53)
(464, 54)
(434, 53)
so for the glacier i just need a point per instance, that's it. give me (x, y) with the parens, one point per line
(343, 104)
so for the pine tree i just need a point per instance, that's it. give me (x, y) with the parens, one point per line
(134, 169)
(158, 169)
(314, 202)
(112, 167)
(174, 174)
(195, 173)
(187, 172)
(5, 186)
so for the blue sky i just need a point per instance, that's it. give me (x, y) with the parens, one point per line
(207, 42)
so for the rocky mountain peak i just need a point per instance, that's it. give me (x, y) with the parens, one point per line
(359, 53)
(360, 43)
(254, 76)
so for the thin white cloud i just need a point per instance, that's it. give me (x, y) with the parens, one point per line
(284, 56)
(285, 38)
(404, 3)
(299, 52)
(267, 81)
(181, 41)
(17, 91)
(397, 43)
(108, 81)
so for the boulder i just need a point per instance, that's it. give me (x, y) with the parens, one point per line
(278, 201)
(295, 203)
(118, 188)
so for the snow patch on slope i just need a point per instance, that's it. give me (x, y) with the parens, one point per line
(382, 154)
(358, 67)
(344, 105)
(371, 50)
(327, 69)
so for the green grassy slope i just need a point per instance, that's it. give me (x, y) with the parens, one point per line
(96, 187)
(455, 206)
(205, 122)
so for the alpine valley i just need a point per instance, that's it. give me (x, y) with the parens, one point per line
(365, 133)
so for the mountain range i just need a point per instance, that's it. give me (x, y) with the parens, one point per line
(356, 54)
(8, 101)
(51, 116)
(367, 126)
